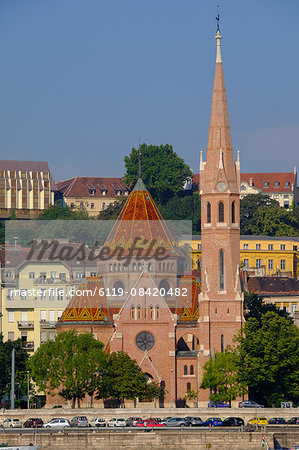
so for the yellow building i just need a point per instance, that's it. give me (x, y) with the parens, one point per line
(262, 255)
(35, 294)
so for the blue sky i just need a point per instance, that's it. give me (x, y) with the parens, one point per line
(81, 81)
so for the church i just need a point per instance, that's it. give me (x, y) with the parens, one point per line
(147, 302)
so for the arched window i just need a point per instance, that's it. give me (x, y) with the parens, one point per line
(164, 288)
(222, 343)
(132, 312)
(208, 212)
(185, 370)
(151, 312)
(139, 267)
(188, 387)
(139, 312)
(119, 267)
(124, 267)
(233, 212)
(110, 267)
(149, 267)
(114, 267)
(221, 212)
(191, 370)
(221, 270)
(134, 267)
(157, 312)
(119, 288)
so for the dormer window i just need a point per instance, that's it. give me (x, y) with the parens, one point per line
(126, 192)
(276, 184)
(92, 191)
(104, 192)
(266, 183)
(286, 184)
(118, 192)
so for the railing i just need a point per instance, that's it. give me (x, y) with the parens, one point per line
(47, 324)
(28, 345)
(24, 324)
(50, 281)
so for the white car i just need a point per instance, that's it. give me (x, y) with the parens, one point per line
(117, 422)
(57, 423)
(11, 423)
(97, 422)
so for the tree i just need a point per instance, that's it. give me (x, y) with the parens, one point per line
(59, 211)
(124, 379)
(163, 171)
(183, 206)
(248, 205)
(221, 377)
(72, 365)
(21, 357)
(273, 221)
(267, 358)
(112, 211)
(255, 307)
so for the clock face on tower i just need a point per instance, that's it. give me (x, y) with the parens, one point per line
(145, 341)
(221, 186)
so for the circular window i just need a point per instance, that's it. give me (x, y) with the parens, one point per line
(145, 341)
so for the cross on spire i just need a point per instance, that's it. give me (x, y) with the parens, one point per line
(218, 19)
(139, 163)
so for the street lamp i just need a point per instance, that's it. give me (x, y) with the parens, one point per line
(28, 382)
(171, 386)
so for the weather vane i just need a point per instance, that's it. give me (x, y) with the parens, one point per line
(218, 18)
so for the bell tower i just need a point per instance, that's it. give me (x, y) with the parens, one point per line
(221, 305)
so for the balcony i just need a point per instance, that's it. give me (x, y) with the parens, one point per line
(28, 345)
(50, 280)
(26, 325)
(47, 324)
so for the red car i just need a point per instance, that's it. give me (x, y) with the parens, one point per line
(149, 423)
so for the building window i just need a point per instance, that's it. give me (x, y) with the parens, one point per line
(245, 246)
(270, 246)
(92, 191)
(282, 264)
(221, 212)
(43, 337)
(132, 312)
(208, 212)
(59, 314)
(103, 205)
(51, 294)
(243, 187)
(150, 266)
(282, 247)
(93, 274)
(286, 204)
(258, 263)
(23, 294)
(266, 183)
(104, 192)
(11, 316)
(11, 336)
(286, 196)
(233, 212)
(72, 205)
(157, 312)
(276, 196)
(276, 184)
(31, 274)
(60, 294)
(92, 206)
(191, 370)
(270, 264)
(198, 246)
(188, 387)
(246, 264)
(221, 271)
(185, 370)
(286, 184)
(222, 343)
(81, 205)
(10, 294)
(43, 294)
(139, 312)
(258, 246)
(43, 316)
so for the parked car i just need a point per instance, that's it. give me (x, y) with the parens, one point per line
(157, 419)
(57, 423)
(97, 422)
(233, 422)
(11, 423)
(194, 421)
(213, 422)
(293, 421)
(132, 421)
(175, 422)
(33, 422)
(149, 423)
(114, 422)
(258, 421)
(250, 404)
(218, 405)
(277, 420)
(79, 421)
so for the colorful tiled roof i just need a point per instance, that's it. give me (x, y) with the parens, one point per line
(141, 218)
(188, 305)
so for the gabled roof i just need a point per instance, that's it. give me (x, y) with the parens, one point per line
(81, 187)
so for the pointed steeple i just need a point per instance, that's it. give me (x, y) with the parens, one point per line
(220, 155)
